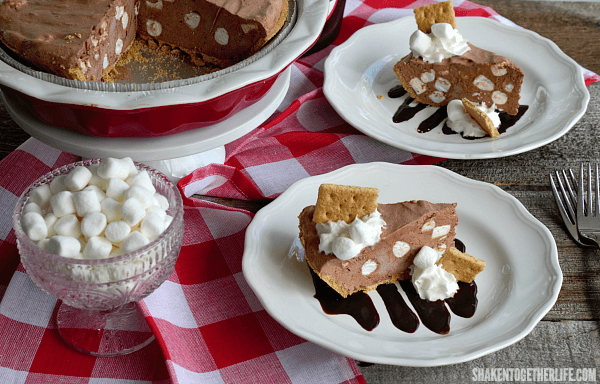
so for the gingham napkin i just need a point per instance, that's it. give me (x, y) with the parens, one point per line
(209, 326)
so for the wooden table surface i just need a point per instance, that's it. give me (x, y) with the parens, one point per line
(569, 335)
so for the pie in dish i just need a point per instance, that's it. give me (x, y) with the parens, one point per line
(84, 39)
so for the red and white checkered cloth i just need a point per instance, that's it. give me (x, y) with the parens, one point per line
(209, 326)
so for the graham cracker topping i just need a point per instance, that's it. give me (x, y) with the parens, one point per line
(342, 202)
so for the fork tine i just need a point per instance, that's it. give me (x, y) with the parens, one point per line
(589, 202)
(570, 197)
(572, 182)
(562, 198)
(597, 195)
(580, 198)
(559, 198)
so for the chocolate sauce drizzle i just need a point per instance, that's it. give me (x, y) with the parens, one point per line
(397, 91)
(358, 305)
(400, 313)
(434, 314)
(405, 112)
(464, 302)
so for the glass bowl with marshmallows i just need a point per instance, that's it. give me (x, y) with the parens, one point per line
(100, 235)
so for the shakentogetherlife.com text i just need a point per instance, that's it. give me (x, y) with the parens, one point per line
(548, 375)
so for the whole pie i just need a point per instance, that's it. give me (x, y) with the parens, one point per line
(83, 39)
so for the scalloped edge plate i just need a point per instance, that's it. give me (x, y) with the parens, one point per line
(519, 285)
(360, 69)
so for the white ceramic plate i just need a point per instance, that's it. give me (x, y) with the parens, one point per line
(311, 18)
(360, 69)
(515, 291)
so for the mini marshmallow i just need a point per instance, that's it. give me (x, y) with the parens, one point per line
(112, 209)
(162, 201)
(57, 185)
(100, 275)
(153, 224)
(64, 246)
(102, 184)
(132, 211)
(77, 178)
(168, 220)
(154, 207)
(132, 168)
(86, 202)
(32, 207)
(50, 219)
(93, 224)
(110, 202)
(99, 192)
(43, 244)
(134, 267)
(144, 196)
(41, 195)
(142, 179)
(97, 248)
(68, 226)
(134, 241)
(117, 231)
(93, 168)
(62, 203)
(116, 187)
(113, 168)
(34, 226)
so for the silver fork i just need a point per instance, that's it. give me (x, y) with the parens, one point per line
(588, 207)
(566, 200)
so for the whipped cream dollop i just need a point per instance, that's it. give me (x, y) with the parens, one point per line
(460, 121)
(430, 280)
(443, 42)
(345, 240)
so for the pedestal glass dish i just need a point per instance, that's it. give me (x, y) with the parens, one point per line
(99, 314)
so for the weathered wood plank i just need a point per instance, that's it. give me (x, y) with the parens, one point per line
(573, 26)
(568, 344)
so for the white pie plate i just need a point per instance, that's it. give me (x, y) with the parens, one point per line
(359, 70)
(519, 285)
